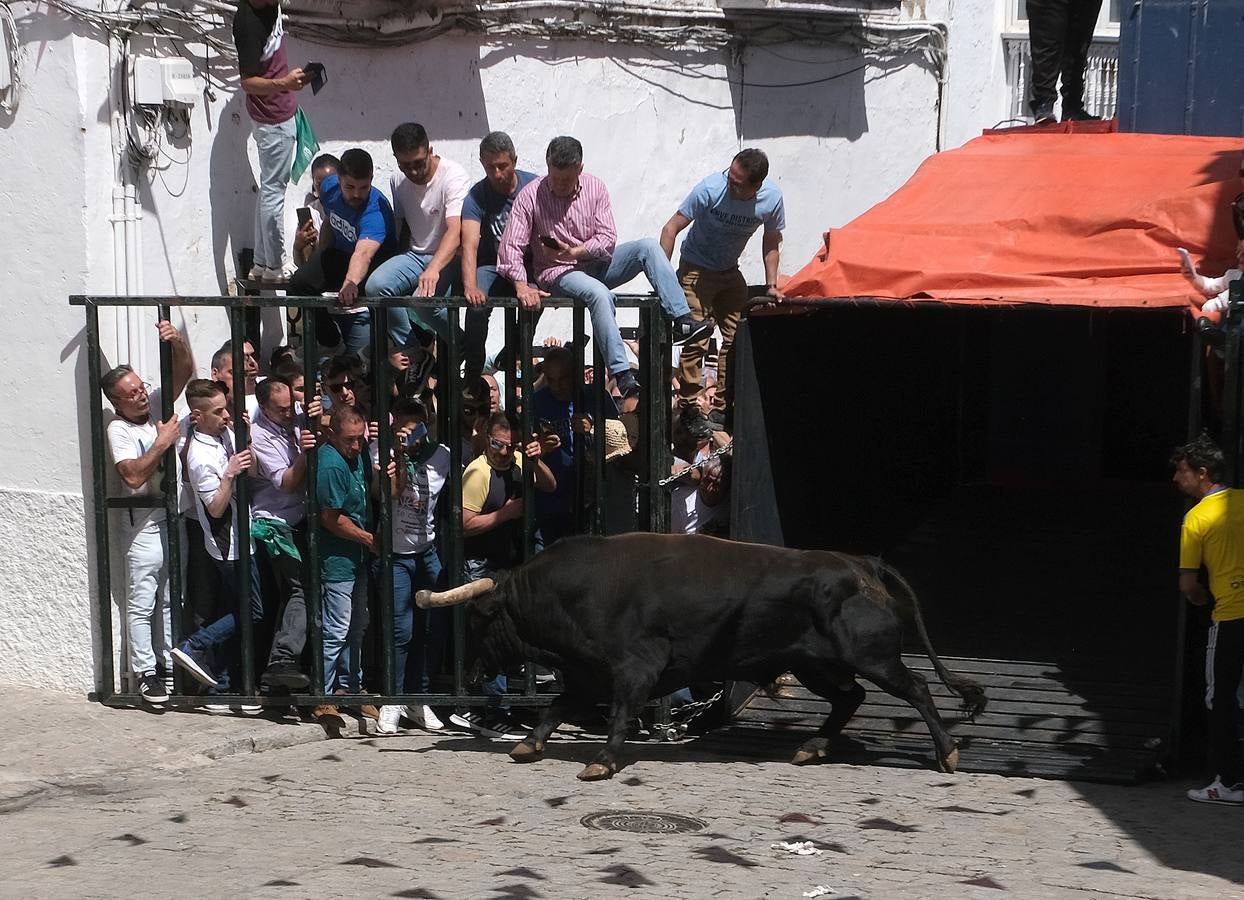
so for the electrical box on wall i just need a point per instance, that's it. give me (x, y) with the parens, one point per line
(160, 81)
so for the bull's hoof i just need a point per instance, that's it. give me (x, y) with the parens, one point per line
(951, 762)
(595, 772)
(527, 752)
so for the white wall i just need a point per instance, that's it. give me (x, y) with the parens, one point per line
(652, 123)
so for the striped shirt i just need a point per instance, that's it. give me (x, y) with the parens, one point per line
(586, 219)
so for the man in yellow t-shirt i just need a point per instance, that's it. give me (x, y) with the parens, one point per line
(492, 513)
(1213, 537)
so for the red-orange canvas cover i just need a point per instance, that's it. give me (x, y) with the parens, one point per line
(1038, 217)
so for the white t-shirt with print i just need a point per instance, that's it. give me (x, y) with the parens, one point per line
(414, 511)
(425, 207)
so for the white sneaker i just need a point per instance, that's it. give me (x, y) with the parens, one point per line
(279, 275)
(390, 717)
(424, 717)
(258, 273)
(1217, 792)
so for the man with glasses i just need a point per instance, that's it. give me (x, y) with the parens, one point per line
(427, 203)
(492, 516)
(138, 440)
(563, 223)
(724, 211)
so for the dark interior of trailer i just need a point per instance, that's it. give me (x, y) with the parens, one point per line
(1012, 463)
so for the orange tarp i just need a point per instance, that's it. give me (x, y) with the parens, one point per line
(1033, 217)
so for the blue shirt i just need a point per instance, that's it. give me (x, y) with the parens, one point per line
(721, 226)
(374, 222)
(491, 210)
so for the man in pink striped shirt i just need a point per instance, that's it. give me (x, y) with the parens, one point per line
(565, 221)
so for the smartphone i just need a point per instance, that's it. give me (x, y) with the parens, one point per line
(544, 426)
(416, 434)
(629, 333)
(304, 216)
(317, 74)
(550, 242)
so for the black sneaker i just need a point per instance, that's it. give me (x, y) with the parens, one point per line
(284, 675)
(194, 662)
(1079, 115)
(628, 384)
(496, 726)
(1044, 115)
(151, 688)
(688, 328)
(697, 425)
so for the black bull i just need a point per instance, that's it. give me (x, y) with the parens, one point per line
(638, 616)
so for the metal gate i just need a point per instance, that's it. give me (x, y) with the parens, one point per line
(651, 500)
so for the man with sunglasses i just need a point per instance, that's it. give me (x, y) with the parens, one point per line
(427, 204)
(492, 516)
(138, 440)
(724, 211)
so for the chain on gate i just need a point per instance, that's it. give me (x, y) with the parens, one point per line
(685, 715)
(720, 451)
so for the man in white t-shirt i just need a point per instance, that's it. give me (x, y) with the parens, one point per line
(419, 635)
(427, 203)
(214, 467)
(138, 441)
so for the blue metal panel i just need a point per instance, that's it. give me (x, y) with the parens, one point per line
(1179, 67)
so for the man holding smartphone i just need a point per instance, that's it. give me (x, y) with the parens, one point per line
(259, 36)
(564, 220)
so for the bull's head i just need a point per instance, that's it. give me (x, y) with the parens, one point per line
(491, 641)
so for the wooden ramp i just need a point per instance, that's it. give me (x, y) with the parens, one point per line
(1042, 721)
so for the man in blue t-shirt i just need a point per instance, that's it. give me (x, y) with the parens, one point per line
(724, 211)
(359, 234)
(484, 214)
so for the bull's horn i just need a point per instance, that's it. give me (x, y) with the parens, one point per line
(433, 599)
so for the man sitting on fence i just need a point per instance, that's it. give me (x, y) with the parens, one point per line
(360, 236)
(215, 466)
(138, 440)
(427, 204)
(564, 222)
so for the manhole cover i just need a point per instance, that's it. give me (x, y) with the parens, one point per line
(642, 822)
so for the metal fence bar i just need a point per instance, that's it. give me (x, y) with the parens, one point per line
(241, 503)
(311, 564)
(451, 502)
(384, 448)
(578, 343)
(511, 361)
(656, 417)
(171, 488)
(105, 684)
(526, 427)
(600, 397)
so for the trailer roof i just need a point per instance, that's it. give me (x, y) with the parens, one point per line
(1031, 216)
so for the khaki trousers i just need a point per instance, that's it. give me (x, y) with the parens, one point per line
(721, 297)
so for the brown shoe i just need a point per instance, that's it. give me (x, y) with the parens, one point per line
(368, 711)
(328, 717)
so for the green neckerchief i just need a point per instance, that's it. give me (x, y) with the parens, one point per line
(276, 536)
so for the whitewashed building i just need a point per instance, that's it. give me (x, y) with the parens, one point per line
(847, 98)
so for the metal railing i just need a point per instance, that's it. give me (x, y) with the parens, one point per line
(651, 503)
(1101, 76)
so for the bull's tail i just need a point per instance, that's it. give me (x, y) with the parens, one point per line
(972, 694)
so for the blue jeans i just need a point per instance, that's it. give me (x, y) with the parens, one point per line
(492, 284)
(399, 277)
(351, 329)
(276, 145)
(417, 633)
(473, 570)
(344, 611)
(218, 635)
(592, 284)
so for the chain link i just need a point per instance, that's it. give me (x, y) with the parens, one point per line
(688, 713)
(720, 451)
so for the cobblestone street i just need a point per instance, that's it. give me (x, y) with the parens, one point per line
(419, 815)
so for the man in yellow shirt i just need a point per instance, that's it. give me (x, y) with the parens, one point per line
(1213, 537)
